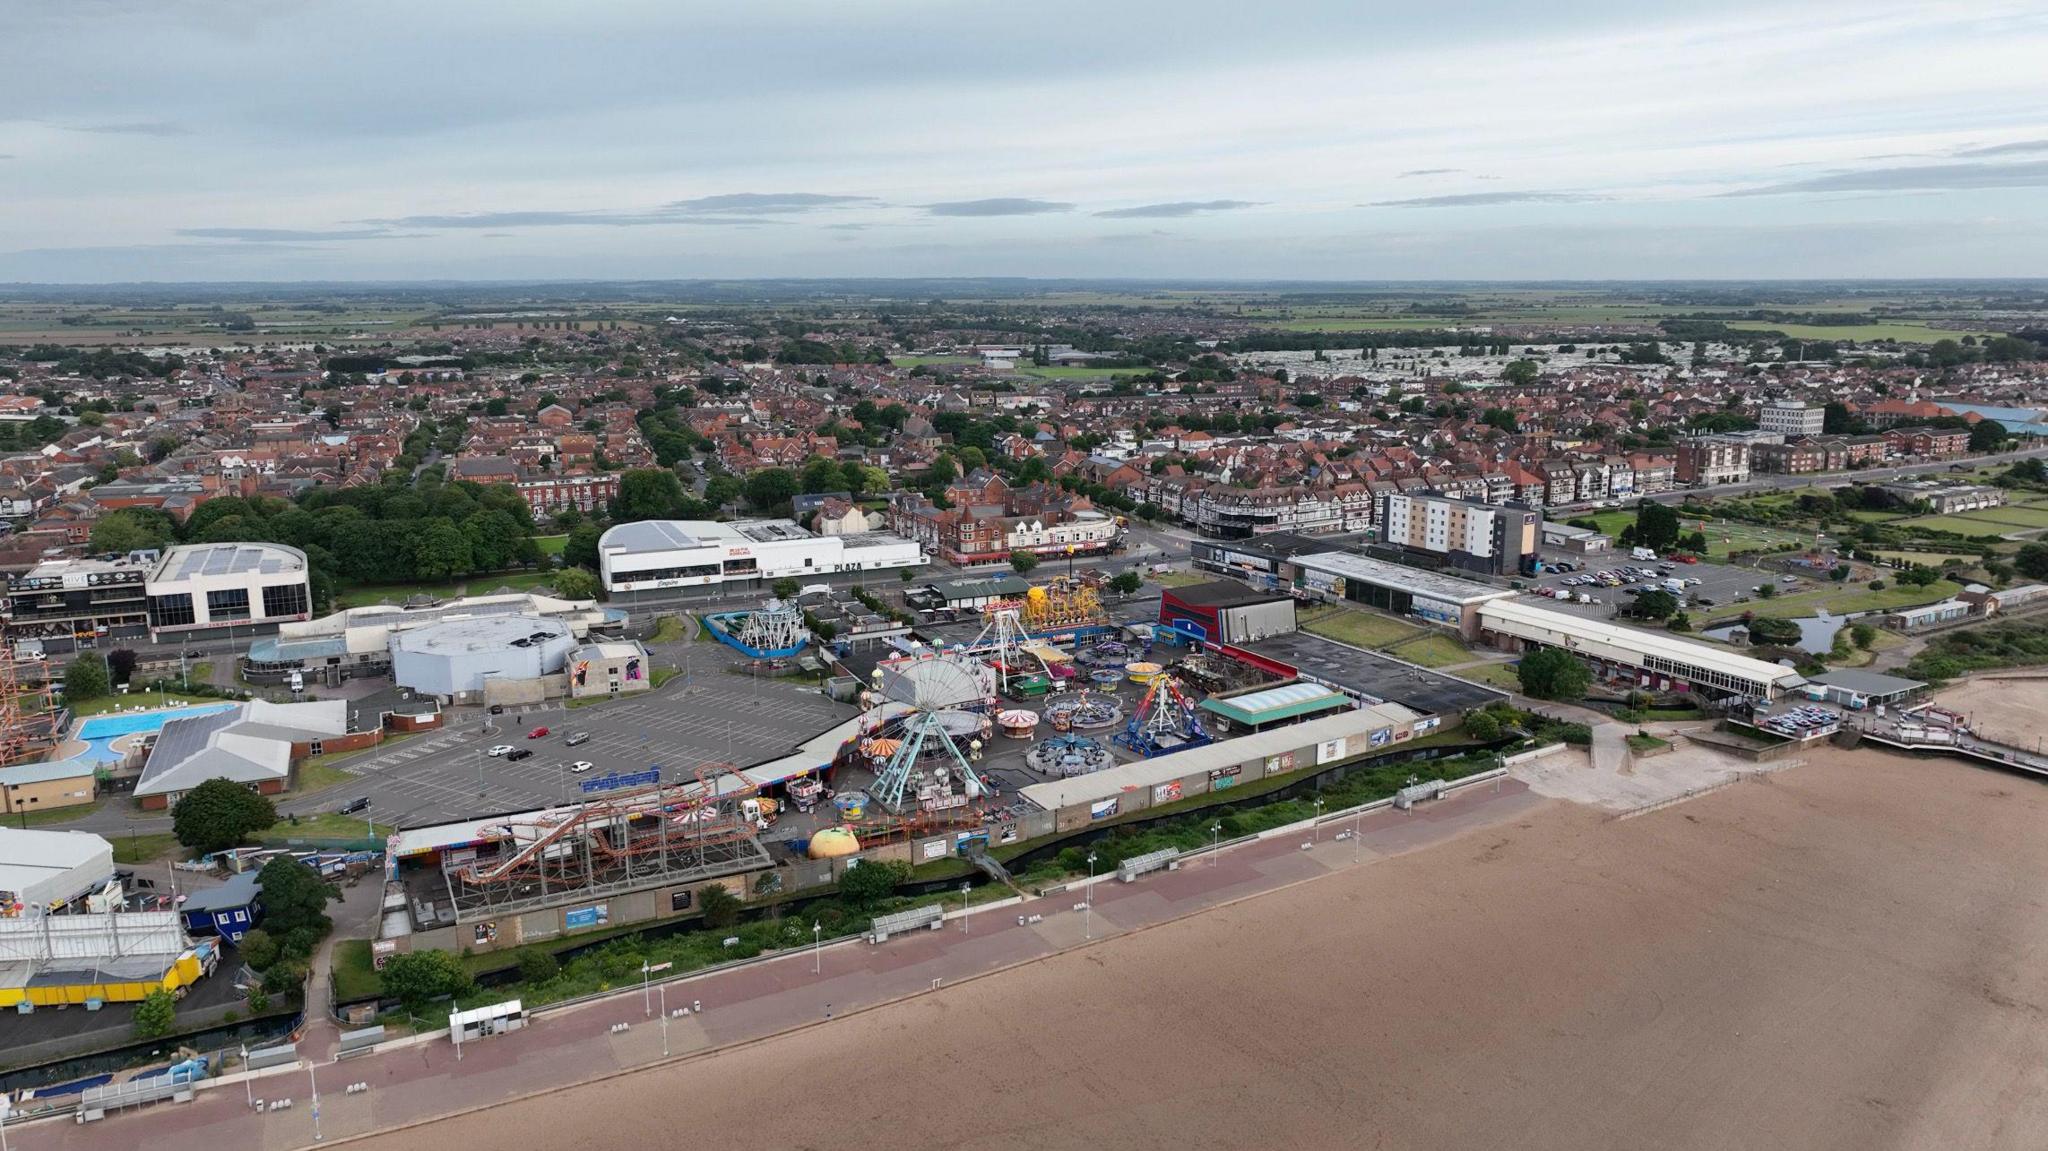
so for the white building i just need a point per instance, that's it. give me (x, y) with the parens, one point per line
(655, 555)
(1650, 660)
(457, 657)
(44, 870)
(357, 641)
(209, 587)
(1792, 418)
(1088, 531)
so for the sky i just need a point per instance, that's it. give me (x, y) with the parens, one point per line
(1146, 139)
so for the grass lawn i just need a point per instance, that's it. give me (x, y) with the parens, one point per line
(1961, 525)
(53, 815)
(326, 825)
(142, 848)
(1646, 743)
(136, 701)
(1180, 579)
(1357, 628)
(1932, 559)
(1499, 675)
(1844, 600)
(2017, 516)
(355, 973)
(475, 585)
(671, 629)
(1726, 537)
(552, 545)
(1432, 650)
(1904, 331)
(318, 774)
(1055, 372)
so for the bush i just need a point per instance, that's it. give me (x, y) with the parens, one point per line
(155, 1015)
(1877, 585)
(1864, 636)
(721, 907)
(258, 949)
(219, 814)
(1482, 726)
(415, 978)
(864, 886)
(1553, 674)
(537, 966)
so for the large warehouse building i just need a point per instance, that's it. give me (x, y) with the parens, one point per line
(1431, 596)
(663, 555)
(457, 658)
(1648, 659)
(45, 871)
(1225, 611)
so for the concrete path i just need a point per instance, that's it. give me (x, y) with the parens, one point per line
(416, 1082)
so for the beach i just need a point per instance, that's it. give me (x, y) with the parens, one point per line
(1843, 954)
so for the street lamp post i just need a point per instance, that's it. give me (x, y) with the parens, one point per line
(817, 948)
(1215, 843)
(1315, 826)
(646, 1003)
(1088, 907)
(316, 1101)
(1357, 852)
(663, 992)
(966, 889)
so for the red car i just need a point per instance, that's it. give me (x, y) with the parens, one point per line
(537, 733)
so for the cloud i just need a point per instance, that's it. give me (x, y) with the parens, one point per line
(1413, 172)
(1486, 199)
(999, 206)
(544, 219)
(1175, 209)
(767, 203)
(285, 235)
(847, 227)
(1924, 178)
(134, 128)
(2007, 149)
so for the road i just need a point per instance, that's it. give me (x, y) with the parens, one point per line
(408, 1084)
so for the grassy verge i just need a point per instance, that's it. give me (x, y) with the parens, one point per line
(1432, 650)
(142, 848)
(1840, 600)
(135, 701)
(1357, 628)
(1493, 675)
(1181, 579)
(475, 585)
(1646, 743)
(671, 629)
(325, 825)
(355, 973)
(552, 545)
(318, 774)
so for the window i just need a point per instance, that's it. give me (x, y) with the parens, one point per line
(231, 604)
(285, 599)
(171, 610)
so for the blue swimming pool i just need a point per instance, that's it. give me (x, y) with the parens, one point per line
(110, 726)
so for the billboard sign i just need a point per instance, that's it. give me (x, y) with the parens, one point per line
(1102, 809)
(1382, 736)
(1329, 750)
(595, 916)
(1166, 792)
(614, 781)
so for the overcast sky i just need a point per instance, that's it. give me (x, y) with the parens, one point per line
(1317, 139)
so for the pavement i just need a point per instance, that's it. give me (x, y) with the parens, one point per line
(411, 1082)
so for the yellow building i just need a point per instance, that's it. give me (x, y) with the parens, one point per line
(32, 787)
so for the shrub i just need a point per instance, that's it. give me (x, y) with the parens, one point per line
(538, 966)
(155, 1015)
(721, 907)
(259, 949)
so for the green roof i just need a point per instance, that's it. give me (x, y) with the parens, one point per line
(1287, 701)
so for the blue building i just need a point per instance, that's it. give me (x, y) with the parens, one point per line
(228, 911)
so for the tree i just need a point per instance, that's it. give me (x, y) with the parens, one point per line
(131, 530)
(1126, 583)
(868, 884)
(1483, 726)
(1656, 604)
(121, 665)
(295, 898)
(538, 965)
(1864, 636)
(1521, 373)
(439, 550)
(1680, 622)
(784, 588)
(721, 907)
(647, 494)
(1986, 436)
(416, 978)
(580, 550)
(156, 1014)
(1022, 562)
(575, 583)
(1656, 525)
(86, 678)
(2032, 561)
(259, 948)
(770, 489)
(721, 490)
(220, 814)
(1553, 674)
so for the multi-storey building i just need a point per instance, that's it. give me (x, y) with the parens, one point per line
(550, 495)
(1792, 418)
(1705, 461)
(1468, 535)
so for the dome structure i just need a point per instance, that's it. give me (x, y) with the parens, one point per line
(833, 843)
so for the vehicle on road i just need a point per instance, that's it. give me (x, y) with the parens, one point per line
(580, 766)
(522, 753)
(578, 738)
(361, 803)
(501, 749)
(537, 733)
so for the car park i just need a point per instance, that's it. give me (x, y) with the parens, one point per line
(361, 803)
(580, 766)
(500, 750)
(537, 733)
(580, 737)
(522, 753)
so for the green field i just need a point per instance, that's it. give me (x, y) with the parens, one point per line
(1180, 579)
(1962, 525)
(552, 545)
(1057, 372)
(1904, 332)
(2019, 517)
(1494, 675)
(1845, 600)
(1931, 559)
(1358, 628)
(1432, 650)
(145, 848)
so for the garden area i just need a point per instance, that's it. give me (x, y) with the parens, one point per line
(1997, 645)
(1358, 628)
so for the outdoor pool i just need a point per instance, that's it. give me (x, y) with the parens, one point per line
(101, 731)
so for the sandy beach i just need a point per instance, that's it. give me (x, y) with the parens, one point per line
(1847, 954)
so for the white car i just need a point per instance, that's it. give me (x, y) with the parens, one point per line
(580, 766)
(500, 750)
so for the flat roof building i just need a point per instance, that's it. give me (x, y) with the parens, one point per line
(664, 555)
(202, 589)
(1648, 659)
(1263, 707)
(253, 744)
(455, 658)
(357, 641)
(45, 870)
(1393, 587)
